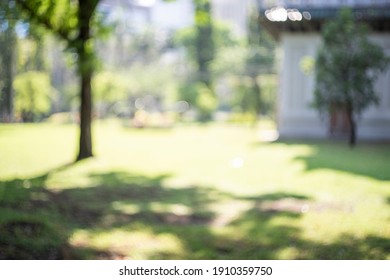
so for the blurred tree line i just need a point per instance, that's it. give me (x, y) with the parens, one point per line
(221, 59)
(56, 53)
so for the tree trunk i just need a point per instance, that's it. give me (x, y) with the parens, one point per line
(86, 68)
(85, 145)
(352, 126)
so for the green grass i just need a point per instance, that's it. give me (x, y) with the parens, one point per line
(190, 192)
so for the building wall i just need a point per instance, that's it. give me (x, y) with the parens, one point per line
(296, 117)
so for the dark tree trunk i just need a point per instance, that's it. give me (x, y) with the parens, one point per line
(352, 126)
(86, 68)
(85, 145)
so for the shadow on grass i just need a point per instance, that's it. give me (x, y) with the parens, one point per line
(38, 223)
(366, 159)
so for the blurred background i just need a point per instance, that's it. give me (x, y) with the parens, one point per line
(149, 71)
(194, 129)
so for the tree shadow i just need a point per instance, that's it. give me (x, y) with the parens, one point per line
(31, 213)
(39, 223)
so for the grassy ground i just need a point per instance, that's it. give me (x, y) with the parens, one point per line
(192, 192)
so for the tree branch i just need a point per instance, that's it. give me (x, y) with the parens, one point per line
(43, 20)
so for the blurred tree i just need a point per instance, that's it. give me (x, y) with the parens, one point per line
(206, 102)
(155, 84)
(188, 91)
(227, 59)
(109, 88)
(126, 46)
(199, 42)
(346, 67)
(147, 46)
(32, 95)
(223, 38)
(149, 79)
(204, 41)
(260, 58)
(8, 41)
(73, 22)
(31, 50)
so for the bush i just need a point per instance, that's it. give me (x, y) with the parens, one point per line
(206, 103)
(32, 95)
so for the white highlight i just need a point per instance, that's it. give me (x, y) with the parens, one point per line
(281, 14)
(276, 14)
(237, 162)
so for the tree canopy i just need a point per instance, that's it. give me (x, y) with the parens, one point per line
(32, 94)
(204, 41)
(347, 66)
(260, 59)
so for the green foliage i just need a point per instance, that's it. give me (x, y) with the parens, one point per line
(244, 98)
(227, 59)
(206, 103)
(307, 65)
(200, 97)
(247, 98)
(31, 53)
(203, 41)
(347, 66)
(32, 94)
(109, 87)
(258, 60)
(230, 60)
(188, 92)
(153, 79)
(223, 38)
(74, 22)
(261, 48)
(60, 16)
(146, 46)
(114, 89)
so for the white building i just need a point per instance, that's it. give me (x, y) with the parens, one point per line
(297, 24)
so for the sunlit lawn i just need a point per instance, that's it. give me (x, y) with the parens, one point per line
(190, 192)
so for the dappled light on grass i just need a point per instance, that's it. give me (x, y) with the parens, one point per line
(130, 242)
(197, 192)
